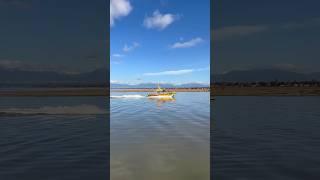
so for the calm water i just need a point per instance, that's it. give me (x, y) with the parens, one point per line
(266, 138)
(160, 140)
(53, 138)
(67, 138)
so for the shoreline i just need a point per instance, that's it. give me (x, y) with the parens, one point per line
(154, 89)
(216, 91)
(266, 91)
(47, 92)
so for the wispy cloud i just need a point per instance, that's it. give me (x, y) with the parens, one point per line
(118, 9)
(236, 31)
(116, 62)
(114, 81)
(159, 21)
(10, 64)
(187, 44)
(247, 30)
(301, 24)
(117, 55)
(175, 72)
(128, 48)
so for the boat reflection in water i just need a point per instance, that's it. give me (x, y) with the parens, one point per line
(161, 101)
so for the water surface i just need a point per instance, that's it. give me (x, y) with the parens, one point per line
(266, 138)
(154, 139)
(54, 138)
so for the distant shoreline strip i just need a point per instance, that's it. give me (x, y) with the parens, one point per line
(205, 89)
(55, 92)
(216, 91)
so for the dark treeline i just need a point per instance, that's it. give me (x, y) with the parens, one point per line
(215, 84)
(53, 85)
(270, 84)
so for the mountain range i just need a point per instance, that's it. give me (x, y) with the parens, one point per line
(17, 76)
(100, 76)
(265, 75)
(163, 85)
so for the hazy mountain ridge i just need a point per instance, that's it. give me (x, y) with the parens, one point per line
(265, 75)
(17, 76)
(99, 76)
(163, 85)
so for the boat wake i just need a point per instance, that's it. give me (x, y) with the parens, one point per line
(136, 96)
(84, 109)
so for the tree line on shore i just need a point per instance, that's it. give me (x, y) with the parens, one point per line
(311, 83)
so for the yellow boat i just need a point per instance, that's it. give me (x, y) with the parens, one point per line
(162, 94)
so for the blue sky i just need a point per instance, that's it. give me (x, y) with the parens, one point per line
(159, 41)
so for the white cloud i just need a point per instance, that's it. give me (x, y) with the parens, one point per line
(159, 21)
(187, 44)
(175, 72)
(117, 55)
(127, 48)
(246, 30)
(235, 31)
(191, 82)
(114, 81)
(118, 9)
(116, 62)
(10, 64)
(203, 69)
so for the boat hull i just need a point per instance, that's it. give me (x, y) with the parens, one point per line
(171, 96)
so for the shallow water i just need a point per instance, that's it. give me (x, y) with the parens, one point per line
(156, 139)
(63, 138)
(263, 138)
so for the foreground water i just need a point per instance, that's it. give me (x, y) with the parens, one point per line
(67, 138)
(154, 139)
(54, 138)
(263, 138)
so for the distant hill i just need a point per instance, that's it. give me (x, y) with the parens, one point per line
(16, 76)
(100, 76)
(154, 85)
(265, 75)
